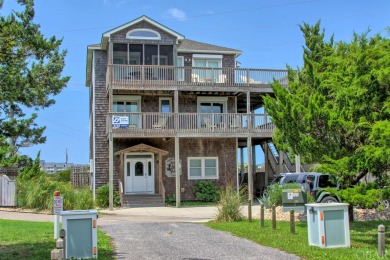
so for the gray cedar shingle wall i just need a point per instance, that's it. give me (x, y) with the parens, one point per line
(223, 148)
(101, 109)
(165, 38)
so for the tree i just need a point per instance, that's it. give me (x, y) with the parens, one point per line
(336, 109)
(30, 75)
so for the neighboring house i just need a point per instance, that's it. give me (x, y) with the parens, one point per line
(53, 167)
(157, 98)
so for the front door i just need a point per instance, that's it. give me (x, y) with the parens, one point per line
(139, 174)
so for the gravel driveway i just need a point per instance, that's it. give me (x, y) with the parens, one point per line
(183, 241)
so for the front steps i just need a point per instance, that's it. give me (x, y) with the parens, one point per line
(141, 200)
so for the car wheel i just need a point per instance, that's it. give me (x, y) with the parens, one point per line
(329, 199)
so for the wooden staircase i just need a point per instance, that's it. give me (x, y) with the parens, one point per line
(141, 200)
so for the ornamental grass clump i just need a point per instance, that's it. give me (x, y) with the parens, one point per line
(229, 207)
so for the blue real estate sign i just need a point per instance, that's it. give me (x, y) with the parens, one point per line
(120, 121)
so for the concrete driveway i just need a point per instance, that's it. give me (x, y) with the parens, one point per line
(169, 233)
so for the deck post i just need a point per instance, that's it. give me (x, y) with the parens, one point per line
(266, 160)
(110, 170)
(160, 181)
(250, 169)
(177, 171)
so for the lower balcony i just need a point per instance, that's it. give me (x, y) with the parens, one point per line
(124, 125)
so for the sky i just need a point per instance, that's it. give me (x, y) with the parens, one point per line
(266, 31)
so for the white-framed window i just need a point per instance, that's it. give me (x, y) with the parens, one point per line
(165, 105)
(144, 34)
(202, 168)
(208, 68)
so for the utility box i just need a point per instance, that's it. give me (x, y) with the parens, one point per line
(328, 224)
(81, 233)
(294, 199)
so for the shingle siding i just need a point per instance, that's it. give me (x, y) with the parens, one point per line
(223, 148)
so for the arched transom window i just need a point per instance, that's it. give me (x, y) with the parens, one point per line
(144, 34)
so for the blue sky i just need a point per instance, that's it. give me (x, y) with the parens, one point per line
(266, 31)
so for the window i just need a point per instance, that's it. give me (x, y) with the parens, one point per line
(208, 68)
(144, 34)
(165, 105)
(142, 54)
(180, 70)
(128, 104)
(202, 168)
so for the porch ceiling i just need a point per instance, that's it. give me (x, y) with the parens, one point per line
(140, 148)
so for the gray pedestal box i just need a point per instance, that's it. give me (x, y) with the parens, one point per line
(328, 224)
(81, 233)
(294, 199)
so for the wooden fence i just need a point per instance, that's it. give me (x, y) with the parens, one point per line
(80, 179)
(7, 191)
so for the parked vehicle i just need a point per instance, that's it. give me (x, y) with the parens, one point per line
(313, 182)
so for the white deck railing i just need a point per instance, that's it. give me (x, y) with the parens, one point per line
(151, 76)
(164, 123)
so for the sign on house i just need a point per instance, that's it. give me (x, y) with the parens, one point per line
(57, 205)
(120, 121)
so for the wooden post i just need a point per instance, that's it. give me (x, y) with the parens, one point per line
(177, 170)
(249, 211)
(261, 215)
(250, 171)
(160, 181)
(381, 240)
(292, 221)
(273, 218)
(110, 171)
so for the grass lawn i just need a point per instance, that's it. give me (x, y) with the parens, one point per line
(34, 240)
(363, 239)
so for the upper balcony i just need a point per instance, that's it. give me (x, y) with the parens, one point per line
(143, 77)
(125, 125)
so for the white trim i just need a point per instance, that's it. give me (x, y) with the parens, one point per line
(165, 98)
(222, 100)
(203, 177)
(180, 72)
(208, 51)
(206, 56)
(158, 37)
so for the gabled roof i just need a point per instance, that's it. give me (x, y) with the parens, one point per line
(141, 148)
(143, 18)
(201, 47)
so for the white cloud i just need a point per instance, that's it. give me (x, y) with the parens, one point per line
(177, 14)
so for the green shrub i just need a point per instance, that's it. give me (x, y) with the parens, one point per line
(364, 195)
(61, 176)
(103, 196)
(206, 191)
(170, 200)
(272, 196)
(229, 207)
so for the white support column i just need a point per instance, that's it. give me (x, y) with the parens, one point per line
(250, 168)
(177, 170)
(111, 170)
(297, 163)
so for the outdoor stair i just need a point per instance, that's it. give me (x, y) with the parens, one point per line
(141, 200)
